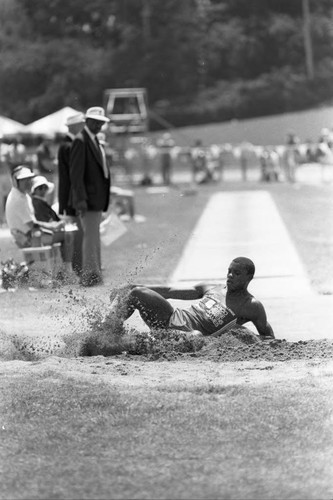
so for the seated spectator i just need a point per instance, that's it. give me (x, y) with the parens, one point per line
(45, 213)
(20, 214)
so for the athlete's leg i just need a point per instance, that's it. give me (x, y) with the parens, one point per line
(154, 309)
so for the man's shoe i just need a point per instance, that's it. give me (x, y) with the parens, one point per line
(91, 280)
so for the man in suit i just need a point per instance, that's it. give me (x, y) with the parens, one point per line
(75, 124)
(90, 191)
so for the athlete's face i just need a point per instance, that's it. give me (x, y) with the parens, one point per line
(237, 277)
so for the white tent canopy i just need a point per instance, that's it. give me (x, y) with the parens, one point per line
(52, 124)
(10, 127)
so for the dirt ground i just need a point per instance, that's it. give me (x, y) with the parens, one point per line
(238, 357)
(129, 372)
(178, 359)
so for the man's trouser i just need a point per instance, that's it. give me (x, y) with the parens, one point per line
(91, 245)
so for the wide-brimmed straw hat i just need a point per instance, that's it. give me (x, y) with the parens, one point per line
(75, 119)
(97, 113)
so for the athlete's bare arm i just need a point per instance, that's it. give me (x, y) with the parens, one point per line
(167, 292)
(259, 319)
(189, 293)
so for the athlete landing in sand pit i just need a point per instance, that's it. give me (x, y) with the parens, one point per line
(220, 307)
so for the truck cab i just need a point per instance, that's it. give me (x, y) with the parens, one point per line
(127, 110)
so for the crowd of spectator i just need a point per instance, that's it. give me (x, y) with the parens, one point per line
(45, 186)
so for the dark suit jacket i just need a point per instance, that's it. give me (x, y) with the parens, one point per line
(86, 174)
(64, 181)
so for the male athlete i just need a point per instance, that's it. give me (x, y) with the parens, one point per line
(220, 307)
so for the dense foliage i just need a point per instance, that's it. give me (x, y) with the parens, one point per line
(200, 60)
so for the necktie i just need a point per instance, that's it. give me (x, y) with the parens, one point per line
(102, 153)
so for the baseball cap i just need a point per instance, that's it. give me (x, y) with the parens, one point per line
(97, 113)
(22, 172)
(40, 180)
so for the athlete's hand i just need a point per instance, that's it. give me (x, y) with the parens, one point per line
(202, 288)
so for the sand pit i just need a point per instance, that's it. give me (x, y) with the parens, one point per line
(233, 347)
(227, 361)
(77, 345)
(237, 345)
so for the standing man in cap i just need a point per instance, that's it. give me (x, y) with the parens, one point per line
(90, 191)
(75, 124)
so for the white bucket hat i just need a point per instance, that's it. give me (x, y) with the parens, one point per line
(97, 113)
(40, 180)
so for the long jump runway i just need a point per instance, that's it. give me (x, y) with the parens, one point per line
(243, 224)
(248, 224)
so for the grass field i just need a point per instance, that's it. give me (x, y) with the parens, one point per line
(124, 427)
(69, 435)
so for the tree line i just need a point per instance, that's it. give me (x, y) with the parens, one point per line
(200, 60)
